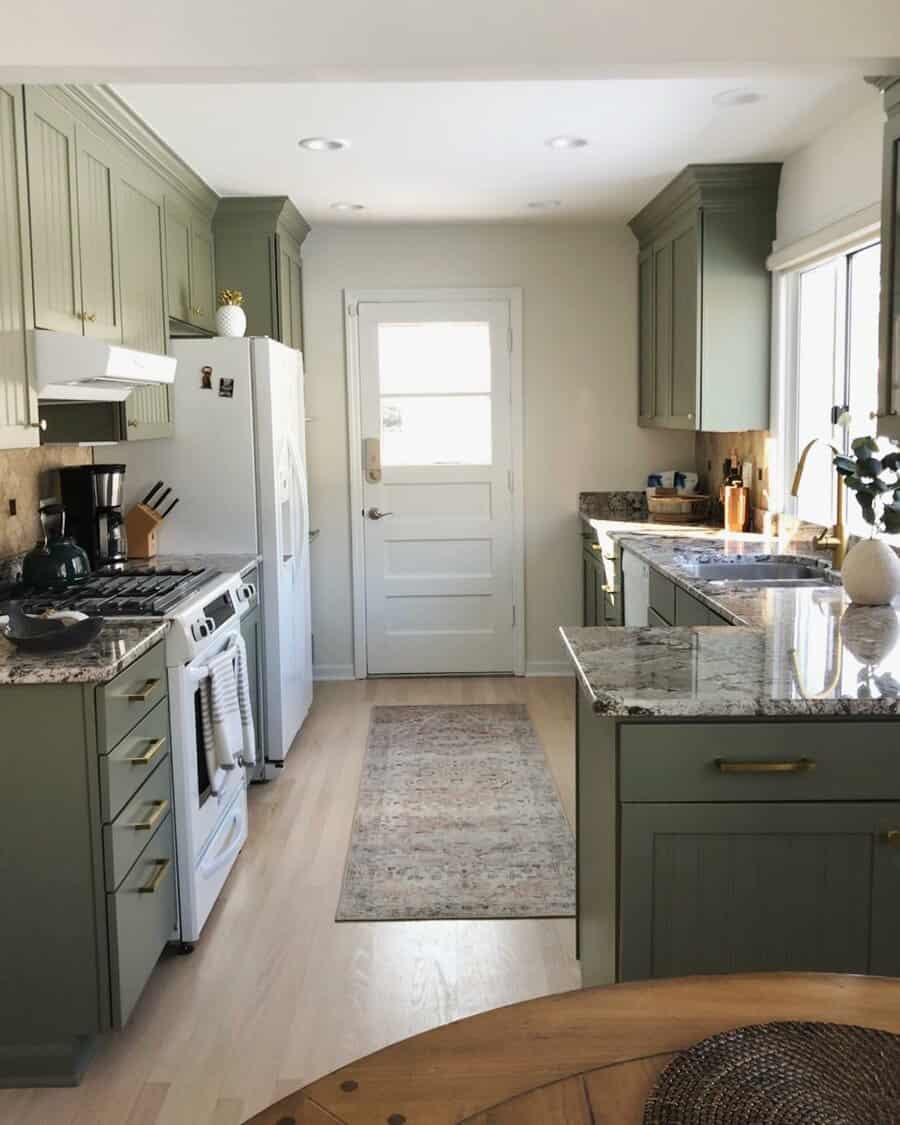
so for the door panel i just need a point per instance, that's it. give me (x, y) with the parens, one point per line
(203, 298)
(18, 402)
(684, 325)
(439, 570)
(178, 261)
(54, 215)
(646, 336)
(98, 243)
(662, 358)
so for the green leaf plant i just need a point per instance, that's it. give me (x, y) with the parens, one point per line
(872, 473)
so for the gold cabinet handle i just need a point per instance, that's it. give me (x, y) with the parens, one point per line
(160, 808)
(800, 765)
(144, 694)
(892, 837)
(133, 422)
(91, 317)
(152, 750)
(196, 311)
(162, 866)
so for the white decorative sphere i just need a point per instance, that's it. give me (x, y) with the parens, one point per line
(871, 573)
(231, 320)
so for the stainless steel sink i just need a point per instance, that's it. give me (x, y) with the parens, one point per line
(762, 573)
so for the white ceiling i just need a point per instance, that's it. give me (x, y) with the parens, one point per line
(454, 151)
(231, 40)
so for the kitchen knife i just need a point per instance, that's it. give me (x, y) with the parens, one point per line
(156, 503)
(169, 509)
(153, 491)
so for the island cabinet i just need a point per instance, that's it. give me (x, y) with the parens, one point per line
(87, 864)
(258, 242)
(704, 298)
(744, 846)
(673, 605)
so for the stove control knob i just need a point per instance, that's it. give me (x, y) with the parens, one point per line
(199, 630)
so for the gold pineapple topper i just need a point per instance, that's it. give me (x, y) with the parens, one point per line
(231, 297)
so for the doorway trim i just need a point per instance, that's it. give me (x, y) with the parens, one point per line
(513, 298)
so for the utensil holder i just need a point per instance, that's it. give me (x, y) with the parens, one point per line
(140, 527)
(735, 507)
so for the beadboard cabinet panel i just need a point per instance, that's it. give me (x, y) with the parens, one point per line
(647, 337)
(683, 396)
(178, 260)
(18, 401)
(54, 213)
(98, 241)
(203, 274)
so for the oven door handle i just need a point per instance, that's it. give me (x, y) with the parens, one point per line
(210, 867)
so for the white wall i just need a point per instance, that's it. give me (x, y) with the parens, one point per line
(833, 177)
(580, 370)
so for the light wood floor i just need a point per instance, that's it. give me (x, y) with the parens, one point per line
(277, 993)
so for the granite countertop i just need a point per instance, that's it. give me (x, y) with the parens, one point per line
(119, 644)
(802, 650)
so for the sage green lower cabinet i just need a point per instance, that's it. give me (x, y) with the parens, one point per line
(600, 585)
(87, 872)
(688, 867)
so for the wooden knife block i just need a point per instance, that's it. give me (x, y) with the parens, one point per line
(140, 527)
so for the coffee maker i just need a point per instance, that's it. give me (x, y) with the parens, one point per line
(92, 498)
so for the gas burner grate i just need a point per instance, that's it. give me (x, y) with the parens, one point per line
(137, 592)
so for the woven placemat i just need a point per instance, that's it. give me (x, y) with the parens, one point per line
(782, 1074)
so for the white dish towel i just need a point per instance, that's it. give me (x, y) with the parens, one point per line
(229, 739)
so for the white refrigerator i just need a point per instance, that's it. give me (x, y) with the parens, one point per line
(237, 464)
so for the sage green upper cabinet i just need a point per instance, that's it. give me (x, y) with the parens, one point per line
(889, 405)
(189, 265)
(18, 401)
(178, 260)
(148, 410)
(98, 244)
(258, 242)
(50, 131)
(705, 298)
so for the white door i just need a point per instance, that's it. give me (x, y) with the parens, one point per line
(435, 404)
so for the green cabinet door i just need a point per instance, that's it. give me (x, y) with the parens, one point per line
(178, 260)
(723, 888)
(18, 401)
(684, 327)
(97, 236)
(646, 336)
(203, 296)
(290, 292)
(590, 610)
(148, 410)
(662, 350)
(50, 132)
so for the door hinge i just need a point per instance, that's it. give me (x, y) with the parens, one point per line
(353, 309)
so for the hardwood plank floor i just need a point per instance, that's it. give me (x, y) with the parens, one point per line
(277, 993)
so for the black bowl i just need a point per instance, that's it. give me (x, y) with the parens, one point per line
(43, 634)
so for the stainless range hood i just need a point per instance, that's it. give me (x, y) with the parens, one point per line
(71, 368)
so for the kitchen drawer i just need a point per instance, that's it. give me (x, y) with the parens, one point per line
(126, 837)
(759, 761)
(662, 596)
(141, 916)
(688, 610)
(653, 618)
(125, 769)
(124, 701)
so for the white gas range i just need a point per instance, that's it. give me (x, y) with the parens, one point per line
(211, 828)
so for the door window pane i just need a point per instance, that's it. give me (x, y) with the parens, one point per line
(435, 430)
(863, 297)
(434, 357)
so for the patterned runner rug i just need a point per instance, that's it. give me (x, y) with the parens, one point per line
(457, 817)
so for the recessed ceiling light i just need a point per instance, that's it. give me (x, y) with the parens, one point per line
(544, 204)
(341, 205)
(737, 97)
(564, 142)
(323, 144)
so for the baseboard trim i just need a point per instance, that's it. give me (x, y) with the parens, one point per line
(549, 668)
(333, 672)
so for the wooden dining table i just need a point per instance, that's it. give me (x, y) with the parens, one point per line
(588, 1057)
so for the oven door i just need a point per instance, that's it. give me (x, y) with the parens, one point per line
(203, 808)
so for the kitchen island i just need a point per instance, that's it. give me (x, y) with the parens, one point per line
(738, 803)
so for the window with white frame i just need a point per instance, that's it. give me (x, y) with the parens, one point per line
(830, 368)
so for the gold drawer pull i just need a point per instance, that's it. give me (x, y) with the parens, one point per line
(144, 694)
(90, 317)
(162, 866)
(801, 765)
(160, 808)
(155, 745)
(892, 837)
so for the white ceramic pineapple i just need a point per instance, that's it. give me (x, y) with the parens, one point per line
(231, 320)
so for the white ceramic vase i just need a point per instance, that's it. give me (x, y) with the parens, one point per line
(871, 573)
(231, 320)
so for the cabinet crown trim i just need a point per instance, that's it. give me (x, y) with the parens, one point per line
(261, 212)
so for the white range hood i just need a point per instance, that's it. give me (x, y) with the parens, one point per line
(72, 368)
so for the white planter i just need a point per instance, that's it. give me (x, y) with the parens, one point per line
(231, 320)
(871, 573)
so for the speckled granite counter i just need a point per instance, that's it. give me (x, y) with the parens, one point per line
(119, 644)
(792, 650)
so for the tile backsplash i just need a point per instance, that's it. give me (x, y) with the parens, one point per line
(27, 475)
(711, 450)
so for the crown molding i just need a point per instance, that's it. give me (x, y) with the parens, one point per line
(264, 211)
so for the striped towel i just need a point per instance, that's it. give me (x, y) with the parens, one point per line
(229, 738)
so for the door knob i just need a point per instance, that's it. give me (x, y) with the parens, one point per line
(374, 514)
